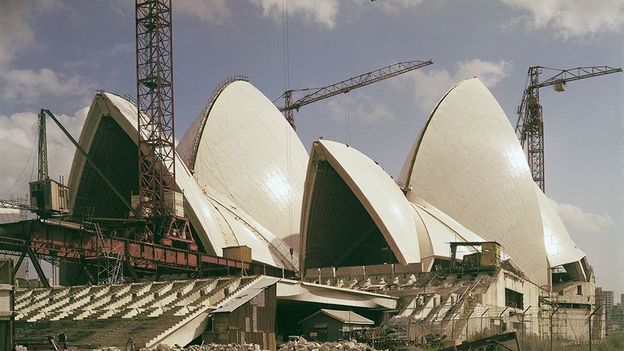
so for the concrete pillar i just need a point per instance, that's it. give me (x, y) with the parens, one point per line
(7, 303)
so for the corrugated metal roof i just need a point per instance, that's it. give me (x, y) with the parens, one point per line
(347, 317)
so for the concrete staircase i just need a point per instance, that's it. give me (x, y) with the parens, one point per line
(455, 302)
(108, 315)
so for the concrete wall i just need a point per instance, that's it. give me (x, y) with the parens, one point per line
(497, 317)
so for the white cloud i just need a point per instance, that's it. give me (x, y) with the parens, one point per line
(214, 11)
(569, 19)
(312, 12)
(321, 12)
(24, 86)
(429, 85)
(490, 73)
(584, 223)
(16, 32)
(600, 237)
(18, 133)
(360, 108)
(389, 6)
(325, 12)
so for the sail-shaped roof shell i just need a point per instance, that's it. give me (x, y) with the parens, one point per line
(469, 164)
(242, 147)
(218, 222)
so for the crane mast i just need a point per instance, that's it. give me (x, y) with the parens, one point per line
(530, 123)
(156, 151)
(42, 148)
(345, 86)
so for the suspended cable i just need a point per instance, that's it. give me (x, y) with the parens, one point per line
(347, 119)
(285, 44)
(19, 177)
(346, 138)
(287, 127)
(289, 180)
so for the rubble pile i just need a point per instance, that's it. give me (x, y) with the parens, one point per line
(302, 344)
(209, 347)
(224, 347)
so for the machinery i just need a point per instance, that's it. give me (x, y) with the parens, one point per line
(489, 257)
(530, 124)
(46, 195)
(345, 86)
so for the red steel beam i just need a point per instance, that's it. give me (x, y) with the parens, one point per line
(74, 243)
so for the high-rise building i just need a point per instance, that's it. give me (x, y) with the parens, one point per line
(605, 297)
(609, 298)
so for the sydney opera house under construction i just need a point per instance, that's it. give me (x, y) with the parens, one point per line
(247, 180)
(463, 235)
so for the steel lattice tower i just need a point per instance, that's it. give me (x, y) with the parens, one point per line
(154, 62)
(530, 124)
(535, 129)
(42, 149)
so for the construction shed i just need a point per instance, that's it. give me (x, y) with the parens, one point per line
(330, 325)
(249, 318)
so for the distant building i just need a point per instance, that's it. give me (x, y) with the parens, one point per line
(609, 298)
(605, 297)
(331, 325)
(614, 320)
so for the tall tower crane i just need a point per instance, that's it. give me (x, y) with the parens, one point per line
(154, 67)
(344, 86)
(530, 124)
(42, 148)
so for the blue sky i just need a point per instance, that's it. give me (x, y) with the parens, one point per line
(56, 53)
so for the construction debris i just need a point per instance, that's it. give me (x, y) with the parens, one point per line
(302, 344)
(224, 347)
(207, 347)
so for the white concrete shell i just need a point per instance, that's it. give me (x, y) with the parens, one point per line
(469, 164)
(353, 208)
(342, 180)
(436, 230)
(218, 222)
(560, 248)
(242, 147)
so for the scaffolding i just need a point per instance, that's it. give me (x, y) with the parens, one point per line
(110, 261)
